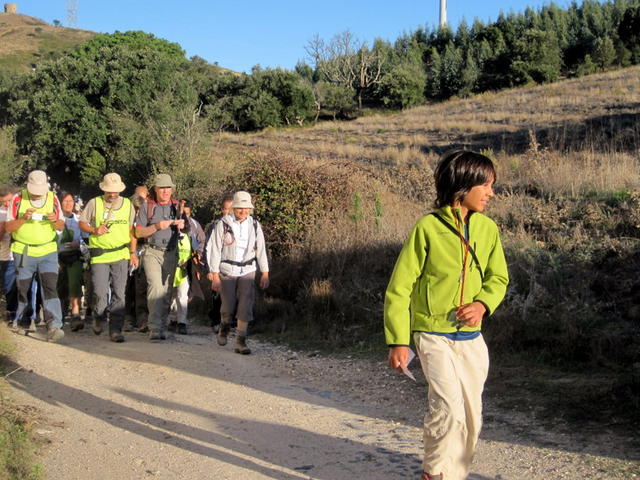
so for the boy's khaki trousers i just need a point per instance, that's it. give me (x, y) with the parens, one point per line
(456, 372)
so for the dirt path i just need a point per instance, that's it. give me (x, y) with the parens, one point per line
(188, 409)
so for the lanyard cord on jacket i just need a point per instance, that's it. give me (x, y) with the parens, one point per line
(463, 233)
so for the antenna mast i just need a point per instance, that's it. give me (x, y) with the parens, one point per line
(443, 13)
(72, 13)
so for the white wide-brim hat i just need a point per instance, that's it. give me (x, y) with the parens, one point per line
(242, 199)
(37, 183)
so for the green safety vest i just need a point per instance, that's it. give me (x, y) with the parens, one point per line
(184, 253)
(35, 238)
(118, 239)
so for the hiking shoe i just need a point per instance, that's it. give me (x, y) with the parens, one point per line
(54, 335)
(222, 334)
(76, 323)
(116, 337)
(155, 336)
(426, 476)
(173, 326)
(97, 326)
(32, 326)
(241, 346)
(143, 329)
(182, 329)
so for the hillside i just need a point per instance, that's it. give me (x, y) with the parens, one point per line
(567, 203)
(567, 116)
(25, 41)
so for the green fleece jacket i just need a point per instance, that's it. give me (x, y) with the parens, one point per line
(424, 291)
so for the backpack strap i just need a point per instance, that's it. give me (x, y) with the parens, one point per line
(464, 240)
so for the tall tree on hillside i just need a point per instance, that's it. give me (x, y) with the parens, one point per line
(537, 58)
(604, 53)
(629, 32)
(347, 61)
(403, 84)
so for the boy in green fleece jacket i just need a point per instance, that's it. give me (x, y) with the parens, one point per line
(449, 276)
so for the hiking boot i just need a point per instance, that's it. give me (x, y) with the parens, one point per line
(173, 326)
(222, 334)
(97, 325)
(54, 335)
(426, 476)
(241, 345)
(76, 323)
(155, 336)
(116, 337)
(182, 329)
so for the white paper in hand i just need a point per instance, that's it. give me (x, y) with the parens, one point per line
(405, 369)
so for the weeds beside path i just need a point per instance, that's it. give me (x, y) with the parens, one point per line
(17, 459)
(189, 409)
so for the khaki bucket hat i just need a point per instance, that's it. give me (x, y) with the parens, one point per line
(112, 182)
(163, 180)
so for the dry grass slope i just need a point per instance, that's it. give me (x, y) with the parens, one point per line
(25, 41)
(568, 204)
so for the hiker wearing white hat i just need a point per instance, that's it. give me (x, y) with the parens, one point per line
(33, 217)
(108, 219)
(235, 251)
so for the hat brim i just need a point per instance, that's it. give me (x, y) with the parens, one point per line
(112, 188)
(241, 205)
(37, 189)
(165, 185)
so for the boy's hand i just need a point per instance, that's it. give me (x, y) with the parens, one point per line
(398, 357)
(471, 314)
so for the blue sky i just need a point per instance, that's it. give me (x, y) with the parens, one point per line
(273, 33)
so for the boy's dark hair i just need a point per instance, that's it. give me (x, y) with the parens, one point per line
(458, 172)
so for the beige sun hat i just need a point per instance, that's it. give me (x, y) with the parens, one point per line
(37, 183)
(112, 182)
(242, 199)
(163, 180)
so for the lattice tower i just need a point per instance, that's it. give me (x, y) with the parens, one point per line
(72, 13)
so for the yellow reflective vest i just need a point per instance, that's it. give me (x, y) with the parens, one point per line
(116, 242)
(36, 237)
(184, 254)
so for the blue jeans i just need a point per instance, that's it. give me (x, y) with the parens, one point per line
(46, 268)
(9, 288)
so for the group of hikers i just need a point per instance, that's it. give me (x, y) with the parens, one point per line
(136, 261)
(450, 275)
